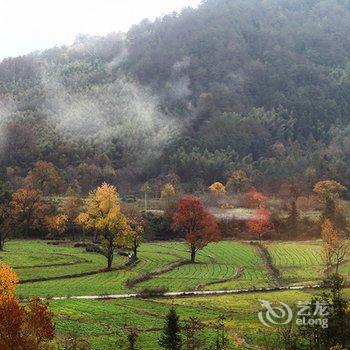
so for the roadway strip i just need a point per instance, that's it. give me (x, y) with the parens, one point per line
(183, 294)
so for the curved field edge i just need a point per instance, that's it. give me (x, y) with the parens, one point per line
(152, 256)
(99, 321)
(298, 262)
(216, 267)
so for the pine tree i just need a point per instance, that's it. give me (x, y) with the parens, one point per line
(170, 339)
(132, 339)
(221, 341)
(193, 332)
(338, 330)
(293, 218)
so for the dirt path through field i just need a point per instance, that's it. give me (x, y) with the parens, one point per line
(272, 270)
(183, 294)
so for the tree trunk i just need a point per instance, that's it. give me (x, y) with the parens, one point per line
(135, 251)
(193, 253)
(337, 266)
(110, 252)
(2, 240)
(109, 260)
(73, 232)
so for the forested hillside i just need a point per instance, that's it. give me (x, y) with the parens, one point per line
(256, 85)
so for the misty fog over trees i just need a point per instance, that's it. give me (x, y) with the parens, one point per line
(262, 86)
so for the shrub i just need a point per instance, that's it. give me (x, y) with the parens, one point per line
(152, 292)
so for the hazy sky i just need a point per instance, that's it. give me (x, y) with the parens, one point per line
(29, 25)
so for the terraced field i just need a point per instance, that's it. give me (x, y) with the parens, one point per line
(37, 259)
(298, 262)
(223, 265)
(102, 323)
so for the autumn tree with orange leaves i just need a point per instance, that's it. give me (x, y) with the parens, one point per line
(71, 208)
(217, 189)
(217, 192)
(254, 199)
(44, 177)
(25, 328)
(38, 322)
(56, 225)
(8, 281)
(22, 327)
(335, 248)
(260, 222)
(199, 226)
(329, 192)
(27, 211)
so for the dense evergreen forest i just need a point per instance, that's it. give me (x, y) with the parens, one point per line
(256, 85)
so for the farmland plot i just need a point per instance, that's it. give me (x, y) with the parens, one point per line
(298, 262)
(223, 265)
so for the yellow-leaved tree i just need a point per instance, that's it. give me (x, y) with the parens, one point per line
(335, 248)
(22, 327)
(217, 189)
(329, 192)
(103, 215)
(8, 281)
(168, 193)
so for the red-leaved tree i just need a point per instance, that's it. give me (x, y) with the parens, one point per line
(199, 226)
(260, 222)
(25, 328)
(22, 327)
(254, 199)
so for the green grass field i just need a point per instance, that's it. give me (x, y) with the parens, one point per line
(102, 323)
(223, 265)
(215, 263)
(27, 257)
(37, 259)
(298, 262)
(216, 268)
